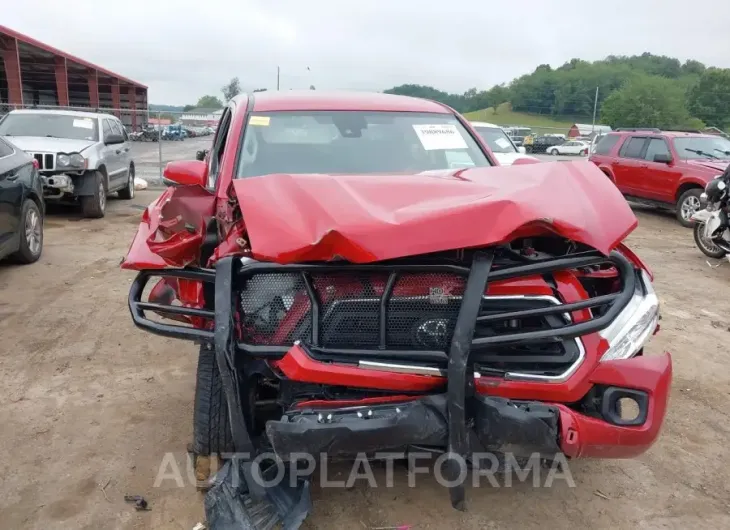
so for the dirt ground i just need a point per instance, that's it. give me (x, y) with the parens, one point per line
(90, 405)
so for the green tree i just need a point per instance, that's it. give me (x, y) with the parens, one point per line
(231, 89)
(570, 89)
(209, 102)
(455, 101)
(709, 99)
(647, 101)
(187, 108)
(497, 95)
(692, 67)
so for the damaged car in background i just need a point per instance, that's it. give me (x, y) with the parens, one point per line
(82, 156)
(362, 276)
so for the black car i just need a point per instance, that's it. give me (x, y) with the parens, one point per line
(541, 143)
(21, 205)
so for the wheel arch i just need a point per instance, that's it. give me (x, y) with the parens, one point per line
(33, 196)
(608, 173)
(105, 174)
(686, 186)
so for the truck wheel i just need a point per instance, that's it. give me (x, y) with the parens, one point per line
(94, 206)
(211, 428)
(31, 234)
(127, 193)
(688, 203)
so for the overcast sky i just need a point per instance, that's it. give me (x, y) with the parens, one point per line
(183, 49)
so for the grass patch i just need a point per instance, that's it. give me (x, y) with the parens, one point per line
(539, 123)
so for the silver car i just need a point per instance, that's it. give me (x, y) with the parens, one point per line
(82, 156)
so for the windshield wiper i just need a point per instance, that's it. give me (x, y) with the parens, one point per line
(726, 153)
(699, 152)
(51, 136)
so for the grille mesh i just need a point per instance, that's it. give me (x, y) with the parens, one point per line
(421, 313)
(350, 308)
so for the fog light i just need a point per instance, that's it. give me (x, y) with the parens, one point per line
(625, 406)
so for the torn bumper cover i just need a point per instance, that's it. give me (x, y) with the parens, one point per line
(499, 424)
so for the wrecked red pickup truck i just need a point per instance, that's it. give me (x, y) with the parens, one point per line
(360, 279)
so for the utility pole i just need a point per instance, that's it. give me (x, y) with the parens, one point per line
(278, 72)
(595, 108)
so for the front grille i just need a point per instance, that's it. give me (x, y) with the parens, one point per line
(46, 161)
(395, 313)
(405, 312)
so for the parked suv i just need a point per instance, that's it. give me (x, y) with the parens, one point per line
(668, 169)
(82, 156)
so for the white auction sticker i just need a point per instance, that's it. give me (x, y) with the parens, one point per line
(501, 142)
(443, 136)
(84, 123)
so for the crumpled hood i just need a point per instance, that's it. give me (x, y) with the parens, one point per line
(366, 218)
(36, 144)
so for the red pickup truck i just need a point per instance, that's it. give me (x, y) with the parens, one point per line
(668, 169)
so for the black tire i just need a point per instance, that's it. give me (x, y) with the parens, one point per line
(31, 244)
(697, 231)
(128, 192)
(554, 152)
(211, 427)
(94, 206)
(689, 195)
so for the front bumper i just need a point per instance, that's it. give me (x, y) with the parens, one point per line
(520, 426)
(473, 414)
(594, 437)
(57, 185)
(499, 425)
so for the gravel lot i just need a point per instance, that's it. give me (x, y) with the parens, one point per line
(90, 405)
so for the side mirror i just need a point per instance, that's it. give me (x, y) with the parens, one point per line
(112, 139)
(521, 150)
(662, 158)
(200, 155)
(186, 173)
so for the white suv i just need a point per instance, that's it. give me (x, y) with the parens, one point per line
(82, 156)
(504, 149)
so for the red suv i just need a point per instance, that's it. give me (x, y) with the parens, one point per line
(668, 169)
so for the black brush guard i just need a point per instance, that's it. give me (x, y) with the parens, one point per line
(231, 272)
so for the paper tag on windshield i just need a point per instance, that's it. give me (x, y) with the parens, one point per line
(84, 123)
(435, 137)
(501, 142)
(263, 121)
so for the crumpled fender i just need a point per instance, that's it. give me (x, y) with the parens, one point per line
(172, 229)
(366, 218)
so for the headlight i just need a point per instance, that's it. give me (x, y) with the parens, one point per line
(634, 325)
(71, 160)
(77, 160)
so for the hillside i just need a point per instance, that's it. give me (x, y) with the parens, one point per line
(636, 91)
(165, 108)
(506, 116)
